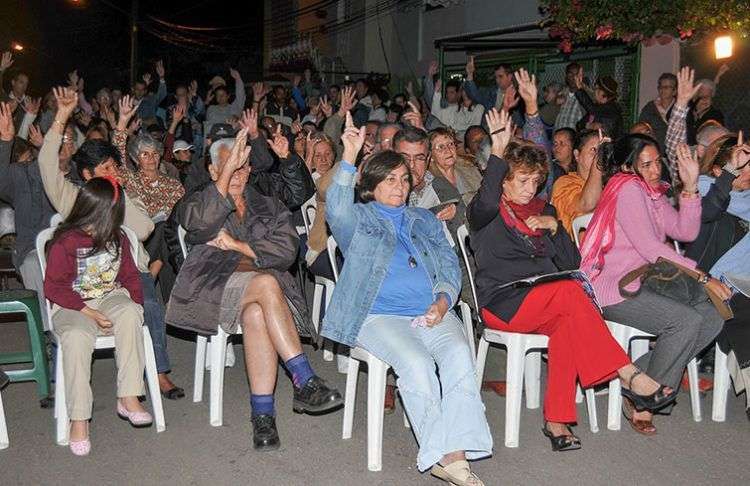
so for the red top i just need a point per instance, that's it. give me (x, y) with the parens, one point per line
(73, 276)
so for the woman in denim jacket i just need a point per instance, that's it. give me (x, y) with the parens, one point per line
(393, 298)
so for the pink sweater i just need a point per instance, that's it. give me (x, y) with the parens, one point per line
(641, 228)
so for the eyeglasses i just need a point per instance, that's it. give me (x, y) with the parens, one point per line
(445, 146)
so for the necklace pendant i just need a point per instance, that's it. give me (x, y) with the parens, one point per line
(412, 262)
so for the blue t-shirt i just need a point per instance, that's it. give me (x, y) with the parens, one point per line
(406, 290)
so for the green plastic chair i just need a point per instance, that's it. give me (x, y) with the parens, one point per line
(23, 301)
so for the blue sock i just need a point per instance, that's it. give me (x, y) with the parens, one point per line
(262, 405)
(300, 369)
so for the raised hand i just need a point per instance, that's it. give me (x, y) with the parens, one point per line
(433, 69)
(249, 121)
(470, 68)
(527, 89)
(260, 90)
(688, 168)
(6, 60)
(325, 107)
(67, 101)
(32, 105)
(128, 106)
(147, 79)
(348, 98)
(501, 130)
(353, 139)
(7, 129)
(36, 137)
(510, 100)
(686, 89)
(160, 69)
(235, 74)
(279, 144)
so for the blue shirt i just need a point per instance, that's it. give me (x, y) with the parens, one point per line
(406, 290)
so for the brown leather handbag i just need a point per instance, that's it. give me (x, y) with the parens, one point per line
(675, 281)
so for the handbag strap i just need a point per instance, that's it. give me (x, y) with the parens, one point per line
(629, 277)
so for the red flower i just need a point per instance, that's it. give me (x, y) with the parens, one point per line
(604, 32)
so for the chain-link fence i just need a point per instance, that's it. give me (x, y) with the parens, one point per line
(731, 93)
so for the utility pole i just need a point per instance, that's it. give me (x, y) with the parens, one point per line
(133, 41)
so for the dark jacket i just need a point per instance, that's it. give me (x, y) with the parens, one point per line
(609, 115)
(503, 255)
(21, 186)
(267, 228)
(720, 230)
(293, 185)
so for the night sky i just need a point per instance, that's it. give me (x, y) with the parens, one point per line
(93, 37)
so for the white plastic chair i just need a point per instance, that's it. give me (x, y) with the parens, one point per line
(102, 342)
(204, 359)
(4, 442)
(523, 367)
(635, 344)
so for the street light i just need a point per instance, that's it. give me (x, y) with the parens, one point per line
(723, 47)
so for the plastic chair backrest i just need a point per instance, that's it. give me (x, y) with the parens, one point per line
(580, 224)
(463, 234)
(181, 236)
(332, 246)
(309, 210)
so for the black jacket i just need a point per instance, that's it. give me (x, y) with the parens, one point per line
(720, 230)
(292, 184)
(503, 255)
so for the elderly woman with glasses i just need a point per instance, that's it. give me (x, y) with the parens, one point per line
(393, 298)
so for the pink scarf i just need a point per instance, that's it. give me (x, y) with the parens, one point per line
(600, 233)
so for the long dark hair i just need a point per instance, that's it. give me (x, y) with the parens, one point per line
(377, 169)
(624, 152)
(99, 211)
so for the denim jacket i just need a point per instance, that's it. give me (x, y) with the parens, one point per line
(368, 241)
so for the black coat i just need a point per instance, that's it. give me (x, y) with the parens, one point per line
(503, 255)
(720, 230)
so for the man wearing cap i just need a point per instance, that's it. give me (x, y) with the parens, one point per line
(222, 110)
(602, 111)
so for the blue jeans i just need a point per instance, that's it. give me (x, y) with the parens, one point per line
(153, 315)
(443, 423)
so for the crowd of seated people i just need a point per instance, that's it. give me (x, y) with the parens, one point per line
(393, 178)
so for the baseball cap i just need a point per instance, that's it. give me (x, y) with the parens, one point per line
(221, 130)
(181, 145)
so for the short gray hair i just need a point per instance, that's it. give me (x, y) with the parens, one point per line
(216, 146)
(142, 142)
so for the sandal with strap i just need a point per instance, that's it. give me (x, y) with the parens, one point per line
(644, 427)
(657, 400)
(561, 443)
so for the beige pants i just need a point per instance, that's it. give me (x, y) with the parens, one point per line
(77, 336)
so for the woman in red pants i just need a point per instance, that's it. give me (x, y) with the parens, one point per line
(515, 235)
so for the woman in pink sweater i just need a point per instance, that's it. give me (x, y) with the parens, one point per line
(629, 229)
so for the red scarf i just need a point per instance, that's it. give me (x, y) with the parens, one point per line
(600, 233)
(515, 214)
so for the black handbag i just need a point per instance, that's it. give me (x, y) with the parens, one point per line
(669, 279)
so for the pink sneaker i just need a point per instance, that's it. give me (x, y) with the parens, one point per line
(80, 447)
(136, 419)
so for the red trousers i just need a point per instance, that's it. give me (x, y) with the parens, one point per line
(580, 344)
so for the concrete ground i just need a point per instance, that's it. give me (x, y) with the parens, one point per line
(191, 452)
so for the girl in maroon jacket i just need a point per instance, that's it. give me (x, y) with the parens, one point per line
(93, 282)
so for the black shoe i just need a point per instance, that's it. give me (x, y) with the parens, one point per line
(316, 397)
(656, 401)
(561, 443)
(265, 435)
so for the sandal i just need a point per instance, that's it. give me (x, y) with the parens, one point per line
(644, 427)
(657, 400)
(561, 443)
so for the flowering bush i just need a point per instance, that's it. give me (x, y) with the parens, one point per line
(648, 21)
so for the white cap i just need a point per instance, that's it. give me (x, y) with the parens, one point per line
(181, 145)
